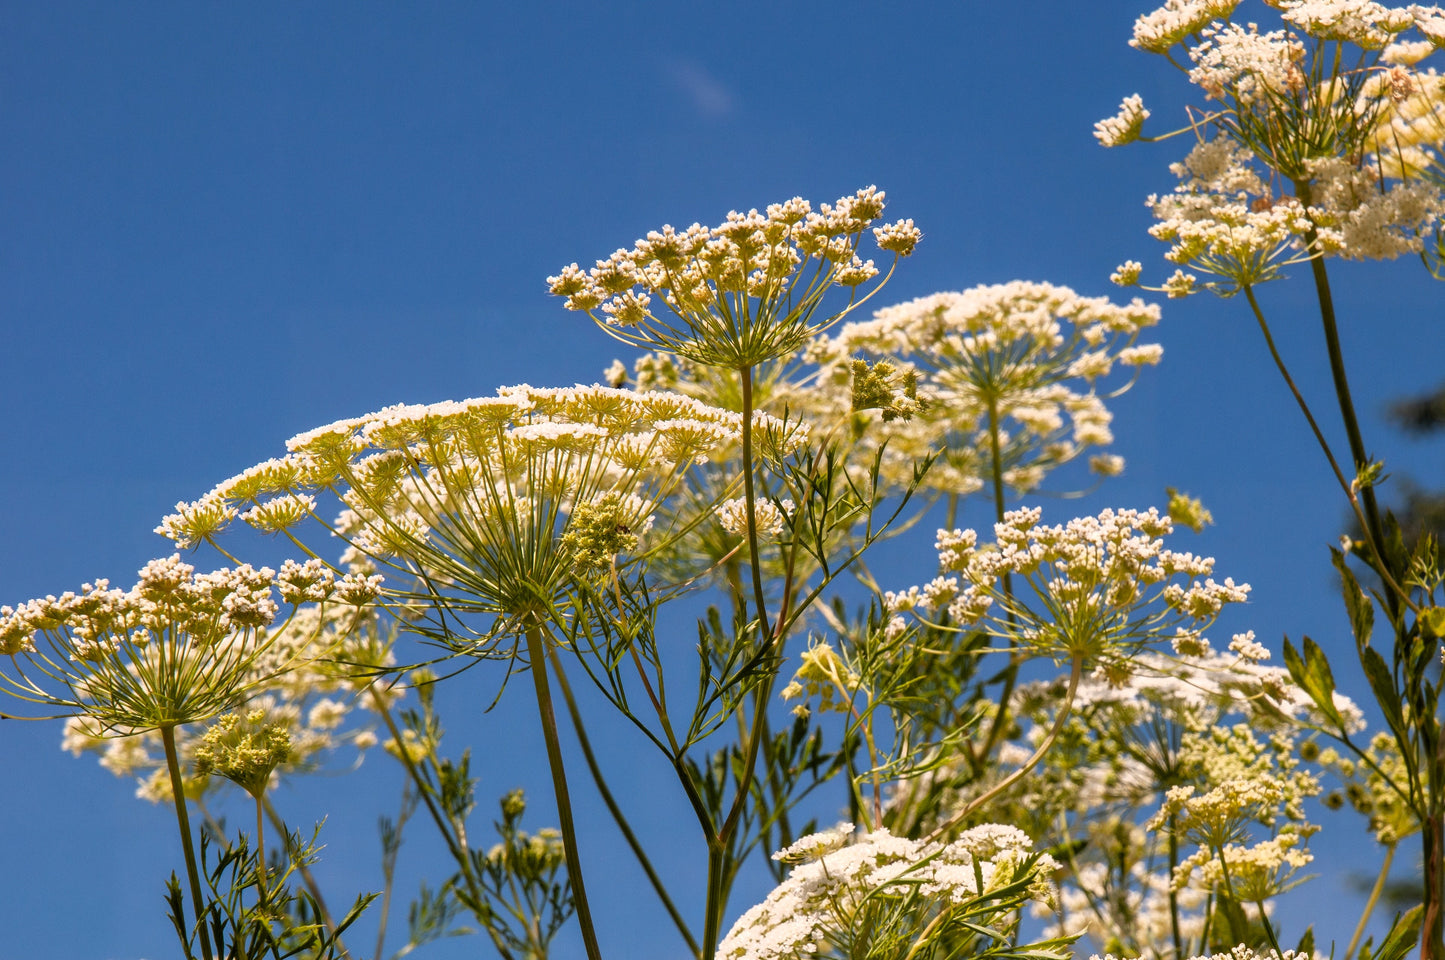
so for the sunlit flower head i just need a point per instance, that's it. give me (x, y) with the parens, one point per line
(1096, 587)
(478, 498)
(744, 292)
(1020, 364)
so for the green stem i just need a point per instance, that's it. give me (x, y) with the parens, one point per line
(751, 497)
(453, 837)
(537, 656)
(612, 807)
(261, 851)
(388, 873)
(997, 727)
(1375, 892)
(718, 848)
(183, 820)
(307, 878)
(1342, 386)
(712, 930)
(1174, 894)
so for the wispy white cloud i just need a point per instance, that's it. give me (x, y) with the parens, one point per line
(709, 96)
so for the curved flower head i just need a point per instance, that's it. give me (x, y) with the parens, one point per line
(178, 647)
(1019, 363)
(744, 292)
(495, 504)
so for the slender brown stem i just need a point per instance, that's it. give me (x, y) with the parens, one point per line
(183, 820)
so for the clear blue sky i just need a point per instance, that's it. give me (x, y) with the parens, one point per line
(223, 224)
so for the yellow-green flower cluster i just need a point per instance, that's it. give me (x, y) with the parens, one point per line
(308, 675)
(244, 749)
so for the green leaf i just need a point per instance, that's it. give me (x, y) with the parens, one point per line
(1400, 941)
(1306, 943)
(1357, 603)
(1312, 674)
(1382, 684)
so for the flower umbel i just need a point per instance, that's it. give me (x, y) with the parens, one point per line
(741, 293)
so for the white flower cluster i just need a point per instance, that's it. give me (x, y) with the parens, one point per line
(1156, 32)
(479, 495)
(1023, 358)
(176, 648)
(1251, 66)
(1373, 190)
(169, 598)
(1101, 582)
(771, 517)
(310, 698)
(1240, 952)
(405, 470)
(1125, 126)
(723, 286)
(1221, 219)
(818, 902)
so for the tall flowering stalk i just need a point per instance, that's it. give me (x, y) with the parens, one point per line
(1322, 139)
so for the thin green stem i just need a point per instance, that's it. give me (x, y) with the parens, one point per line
(1375, 893)
(612, 807)
(537, 657)
(1174, 894)
(261, 851)
(307, 878)
(183, 820)
(997, 726)
(1342, 383)
(388, 872)
(751, 498)
(1369, 530)
(718, 848)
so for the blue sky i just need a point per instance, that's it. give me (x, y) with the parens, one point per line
(223, 224)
